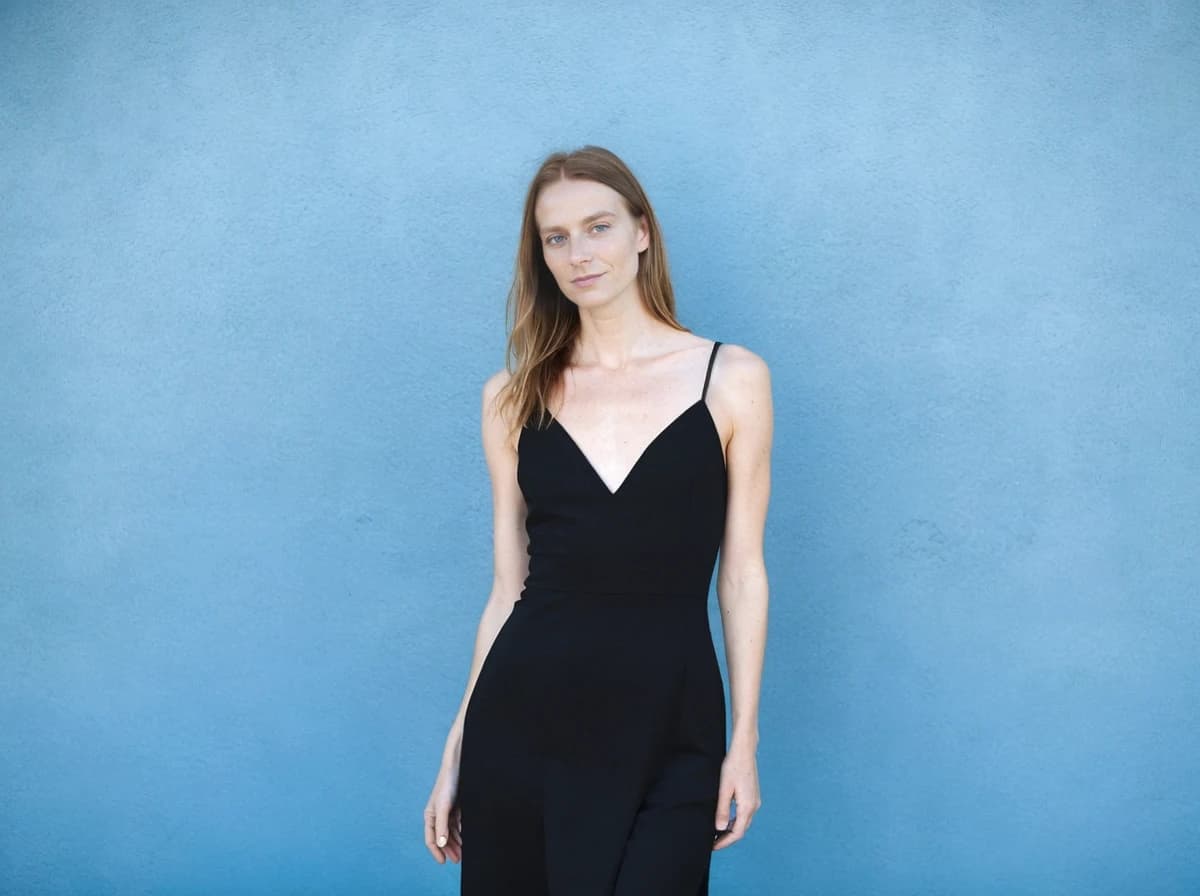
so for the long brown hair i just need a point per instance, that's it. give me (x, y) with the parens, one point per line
(543, 323)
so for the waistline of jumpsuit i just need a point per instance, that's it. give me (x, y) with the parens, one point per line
(651, 575)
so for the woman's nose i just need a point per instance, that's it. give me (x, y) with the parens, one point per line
(580, 251)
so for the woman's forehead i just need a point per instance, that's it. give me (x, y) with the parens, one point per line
(567, 201)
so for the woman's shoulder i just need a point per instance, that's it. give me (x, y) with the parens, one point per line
(495, 382)
(493, 386)
(740, 373)
(493, 408)
(739, 357)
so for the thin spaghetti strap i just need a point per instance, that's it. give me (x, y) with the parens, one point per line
(708, 373)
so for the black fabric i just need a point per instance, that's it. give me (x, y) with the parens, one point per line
(593, 739)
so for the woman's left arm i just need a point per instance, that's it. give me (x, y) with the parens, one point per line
(745, 389)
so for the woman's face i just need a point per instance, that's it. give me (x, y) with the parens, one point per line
(586, 232)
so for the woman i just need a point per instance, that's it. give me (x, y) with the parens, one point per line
(589, 754)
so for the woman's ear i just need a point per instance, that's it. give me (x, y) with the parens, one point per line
(643, 242)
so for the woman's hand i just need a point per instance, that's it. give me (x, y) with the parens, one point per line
(443, 821)
(739, 782)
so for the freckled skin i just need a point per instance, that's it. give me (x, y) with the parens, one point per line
(573, 245)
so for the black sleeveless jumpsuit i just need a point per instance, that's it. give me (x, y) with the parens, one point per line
(593, 739)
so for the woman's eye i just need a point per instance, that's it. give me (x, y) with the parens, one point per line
(554, 239)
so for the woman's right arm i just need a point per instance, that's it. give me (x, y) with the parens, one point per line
(443, 823)
(509, 542)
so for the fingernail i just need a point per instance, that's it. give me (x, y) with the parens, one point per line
(442, 840)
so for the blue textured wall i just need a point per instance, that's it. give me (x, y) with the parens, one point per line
(253, 266)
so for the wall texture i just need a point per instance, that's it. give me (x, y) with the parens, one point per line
(253, 260)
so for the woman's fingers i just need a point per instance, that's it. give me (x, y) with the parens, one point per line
(724, 797)
(431, 833)
(442, 824)
(726, 834)
(443, 833)
(453, 848)
(741, 822)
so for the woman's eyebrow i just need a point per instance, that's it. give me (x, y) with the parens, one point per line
(589, 218)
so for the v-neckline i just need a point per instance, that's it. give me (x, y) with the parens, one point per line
(613, 493)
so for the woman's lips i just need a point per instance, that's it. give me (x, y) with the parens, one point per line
(588, 281)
